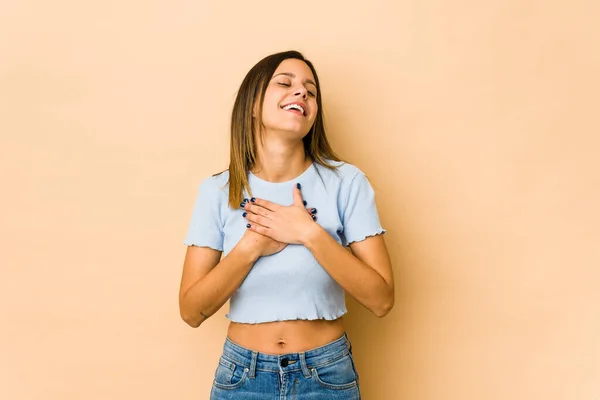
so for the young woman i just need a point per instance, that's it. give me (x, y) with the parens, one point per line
(270, 235)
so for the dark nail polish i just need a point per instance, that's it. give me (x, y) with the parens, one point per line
(298, 186)
(304, 202)
(253, 199)
(244, 214)
(313, 210)
(247, 225)
(246, 200)
(242, 204)
(314, 217)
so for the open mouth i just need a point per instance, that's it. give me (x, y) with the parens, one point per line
(295, 108)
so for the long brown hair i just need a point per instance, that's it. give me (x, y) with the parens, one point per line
(243, 126)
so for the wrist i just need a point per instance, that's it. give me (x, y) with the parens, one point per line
(248, 251)
(312, 235)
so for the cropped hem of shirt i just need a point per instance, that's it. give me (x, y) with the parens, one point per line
(291, 284)
(301, 308)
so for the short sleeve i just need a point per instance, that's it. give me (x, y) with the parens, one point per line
(206, 229)
(360, 218)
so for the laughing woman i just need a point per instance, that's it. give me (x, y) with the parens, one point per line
(270, 235)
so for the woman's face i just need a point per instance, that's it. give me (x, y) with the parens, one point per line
(290, 102)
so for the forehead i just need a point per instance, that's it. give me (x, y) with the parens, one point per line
(296, 67)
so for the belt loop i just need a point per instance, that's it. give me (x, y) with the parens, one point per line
(303, 365)
(253, 365)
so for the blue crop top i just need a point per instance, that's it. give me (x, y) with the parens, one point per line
(291, 284)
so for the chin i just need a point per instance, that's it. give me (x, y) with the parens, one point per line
(291, 129)
(300, 133)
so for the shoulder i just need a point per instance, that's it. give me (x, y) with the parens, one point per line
(216, 185)
(342, 170)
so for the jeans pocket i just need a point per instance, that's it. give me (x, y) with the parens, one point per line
(229, 375)
(337, 375)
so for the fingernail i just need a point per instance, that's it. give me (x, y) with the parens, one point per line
(304, 202)
(253, 199)
(314, 217)
(313, 210)
(298, 186)
(244, 214)
(242, 204)
(247, 225)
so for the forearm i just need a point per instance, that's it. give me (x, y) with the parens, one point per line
(208, 294)
(358, 279)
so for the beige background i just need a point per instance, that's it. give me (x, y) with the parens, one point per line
(476, 122)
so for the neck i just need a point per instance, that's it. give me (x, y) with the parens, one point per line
(279, 161)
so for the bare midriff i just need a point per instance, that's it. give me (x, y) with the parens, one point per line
(283, 337)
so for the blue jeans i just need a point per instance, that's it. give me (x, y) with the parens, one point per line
(326, 373)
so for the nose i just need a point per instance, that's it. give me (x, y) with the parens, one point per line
(301, 91)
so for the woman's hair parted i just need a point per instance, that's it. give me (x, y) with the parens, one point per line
(244, 133)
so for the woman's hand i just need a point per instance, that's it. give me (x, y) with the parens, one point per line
(260, 245)
(291, 224)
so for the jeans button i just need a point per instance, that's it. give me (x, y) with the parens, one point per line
(284, 362)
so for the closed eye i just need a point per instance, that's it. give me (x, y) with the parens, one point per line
(312, 94)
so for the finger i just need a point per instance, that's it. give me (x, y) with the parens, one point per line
(264, 203)
(258, 210)
(297, 193)
(258, 229)
(257, 219)
(311, 211)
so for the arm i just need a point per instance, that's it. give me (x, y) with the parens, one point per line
(366, 273)
(206, 283)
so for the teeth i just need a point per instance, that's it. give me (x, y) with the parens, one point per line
(294, 106)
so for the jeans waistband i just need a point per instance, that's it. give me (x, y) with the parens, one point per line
(304, 360)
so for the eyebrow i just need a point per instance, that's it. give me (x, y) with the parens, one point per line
(293, 76)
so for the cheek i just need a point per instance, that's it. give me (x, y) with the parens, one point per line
(313, 116)
(269, 113)
(270, 106)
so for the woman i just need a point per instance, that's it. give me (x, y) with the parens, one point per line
(284, 268)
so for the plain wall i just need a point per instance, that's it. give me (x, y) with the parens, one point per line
(476, 122)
